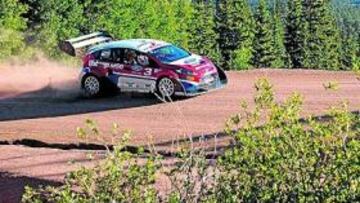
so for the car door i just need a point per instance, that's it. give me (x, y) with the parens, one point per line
(115, 66)
(101, 62)
(137, 75)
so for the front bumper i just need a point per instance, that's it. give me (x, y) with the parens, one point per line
(190, 89)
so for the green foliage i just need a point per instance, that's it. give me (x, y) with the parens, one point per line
(323, 40)
(58, 20)
(350, 47)
(280, 54)
(11, 27)
(263, 44)
(119, 178)
(234, 25)
(193, 178)
(295, 36)
(279, 157)
(265, 96)
(310, 34)
(202, 37)
(276, 156)
(164, 20)
(10, 15)
(12, 43)
(241, 58)
(356, 65)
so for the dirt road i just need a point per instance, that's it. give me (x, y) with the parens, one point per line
(51, 115)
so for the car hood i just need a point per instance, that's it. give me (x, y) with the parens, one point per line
(194, 62)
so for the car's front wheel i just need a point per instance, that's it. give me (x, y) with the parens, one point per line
(166, 88)
(91, 86)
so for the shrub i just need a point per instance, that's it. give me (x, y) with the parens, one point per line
(12, 43)
(119, 178)
(193, 178)
(50, 21)
(279, 157)
(275, 157)
(240, 59)
(11, 27)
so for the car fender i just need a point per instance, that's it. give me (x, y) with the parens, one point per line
(173, 76)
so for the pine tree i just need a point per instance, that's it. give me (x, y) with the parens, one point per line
(202, 38)
(332, 40)
(234, 25)
(281, 59)
(263, 53)
(323, 42)
(350, 46)
(296, 34)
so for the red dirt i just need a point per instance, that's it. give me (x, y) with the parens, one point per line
(52, 114)
(54, 119)
(21, 166)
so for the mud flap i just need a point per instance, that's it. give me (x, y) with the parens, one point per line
(222, 76)
(76, 46)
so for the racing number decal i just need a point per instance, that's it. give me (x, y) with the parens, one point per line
(147, 71)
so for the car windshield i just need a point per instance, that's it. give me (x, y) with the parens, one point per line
(168, 54)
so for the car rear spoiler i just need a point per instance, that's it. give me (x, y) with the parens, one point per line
(77, 46)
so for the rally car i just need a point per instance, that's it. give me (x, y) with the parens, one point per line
(142, 65)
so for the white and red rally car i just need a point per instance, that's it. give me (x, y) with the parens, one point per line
(142, 65)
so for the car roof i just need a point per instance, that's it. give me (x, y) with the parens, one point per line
(141, 45)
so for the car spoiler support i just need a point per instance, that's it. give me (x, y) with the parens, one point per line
(76, 46)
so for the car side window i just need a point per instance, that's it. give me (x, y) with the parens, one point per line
(130, 57)
(97, 55)
(105, 55)
(117, 55)
(152, 63)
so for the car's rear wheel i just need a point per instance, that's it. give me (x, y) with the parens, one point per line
(91, 86)
(166, 88)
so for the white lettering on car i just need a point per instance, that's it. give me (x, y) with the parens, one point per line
(117, 66)
(148, 71)
(94, 63)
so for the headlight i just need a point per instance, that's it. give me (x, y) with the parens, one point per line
(185, 72)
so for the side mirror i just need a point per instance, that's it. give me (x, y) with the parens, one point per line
(143, 60)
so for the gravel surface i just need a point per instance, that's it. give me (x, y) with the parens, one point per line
(52, 116)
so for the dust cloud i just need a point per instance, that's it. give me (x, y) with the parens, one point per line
(41, 76)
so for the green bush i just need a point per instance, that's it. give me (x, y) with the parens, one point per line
(158, 19)
(11, 27)
(12, 43)
(58, 21)
(279, 157)
(240, 59)
(276, 156)
(119, 178)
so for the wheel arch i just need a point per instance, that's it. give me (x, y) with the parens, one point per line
(177, 82)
